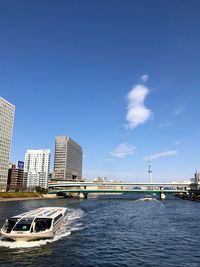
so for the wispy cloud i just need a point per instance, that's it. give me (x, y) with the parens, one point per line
(122, 151)
(177, 142)
(177, 111)
(144, 78)
(166, 124)
(111, 159)
(161, 155)
(137, 112)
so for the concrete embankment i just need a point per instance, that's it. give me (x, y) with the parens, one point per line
(6, 197)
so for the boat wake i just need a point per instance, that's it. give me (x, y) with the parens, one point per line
(71, 224)
(148, 199)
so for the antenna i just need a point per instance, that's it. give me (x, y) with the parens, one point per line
(150, 172)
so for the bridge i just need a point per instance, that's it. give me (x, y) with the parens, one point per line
(83, 188)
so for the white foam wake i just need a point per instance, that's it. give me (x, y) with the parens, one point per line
(148, 200)
(72, 224)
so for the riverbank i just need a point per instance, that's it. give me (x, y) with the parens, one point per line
(188, 197)
(17, 196)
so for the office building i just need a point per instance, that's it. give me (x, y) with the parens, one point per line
(36, 168)
(7, 112)
(15, 177)
(68, 159)
(197, 177)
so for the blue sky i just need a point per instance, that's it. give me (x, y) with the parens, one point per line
(121, 78)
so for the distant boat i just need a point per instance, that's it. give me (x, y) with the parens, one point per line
(148, 198)
(41, 223)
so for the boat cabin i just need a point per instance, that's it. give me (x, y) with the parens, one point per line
(37, 221)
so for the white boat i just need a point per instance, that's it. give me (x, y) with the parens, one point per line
(41, 223)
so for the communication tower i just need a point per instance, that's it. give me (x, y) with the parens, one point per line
(150, 173)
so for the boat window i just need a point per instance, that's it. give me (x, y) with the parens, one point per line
(23, 225)
(42, 224)
(10, 224)
(57, 218)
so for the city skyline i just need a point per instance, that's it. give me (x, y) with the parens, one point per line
(121, 79)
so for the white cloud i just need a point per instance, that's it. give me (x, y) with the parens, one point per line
(161, 155)
(144, 77)
(137, 113)
(122, 151)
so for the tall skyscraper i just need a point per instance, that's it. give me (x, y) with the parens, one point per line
(7, 112)
(68, 159)
(36, 168)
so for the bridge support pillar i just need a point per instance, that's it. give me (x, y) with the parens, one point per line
(83, 195)
(162, 195)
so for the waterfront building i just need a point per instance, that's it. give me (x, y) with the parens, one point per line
(15, 176)
(67, 159)
(36, 168)
(197, 177)
(7, 112)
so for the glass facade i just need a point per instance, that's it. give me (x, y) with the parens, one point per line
(7, 112)
(68, 159)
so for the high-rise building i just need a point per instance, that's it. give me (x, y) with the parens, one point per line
(197, 177)
(36, 168)
(68, 159)
(7, 112)
(15, 177)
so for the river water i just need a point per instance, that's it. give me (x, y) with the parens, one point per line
(111, 231)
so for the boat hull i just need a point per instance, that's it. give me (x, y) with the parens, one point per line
(27, 237)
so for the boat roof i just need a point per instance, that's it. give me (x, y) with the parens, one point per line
(45, 212)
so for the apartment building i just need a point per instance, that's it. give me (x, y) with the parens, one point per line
(36, 168)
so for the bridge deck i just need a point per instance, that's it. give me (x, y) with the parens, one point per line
(86, 191)
(70, 184)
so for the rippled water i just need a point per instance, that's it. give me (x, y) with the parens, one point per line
(116, 231)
